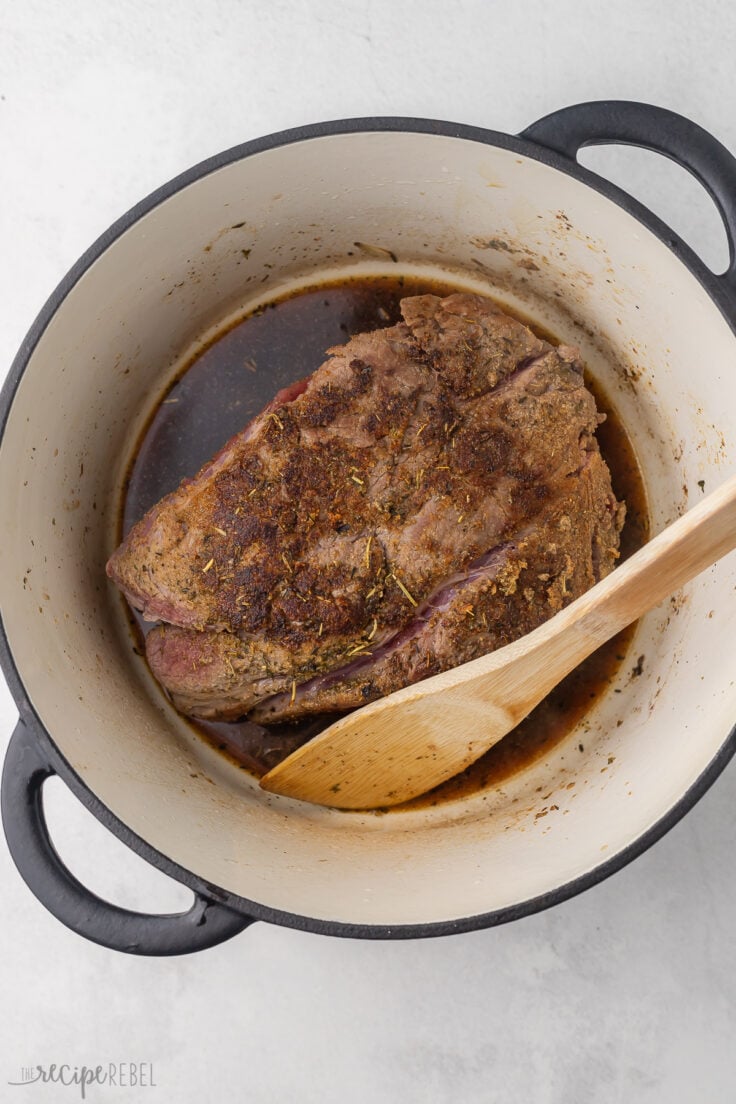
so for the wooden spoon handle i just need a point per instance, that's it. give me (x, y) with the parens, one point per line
(672, 558)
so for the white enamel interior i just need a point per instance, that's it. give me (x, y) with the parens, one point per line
(506, 223)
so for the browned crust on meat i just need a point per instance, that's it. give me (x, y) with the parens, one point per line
(412, 451)
(545, 568)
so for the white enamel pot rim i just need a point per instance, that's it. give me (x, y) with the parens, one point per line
(220, 910)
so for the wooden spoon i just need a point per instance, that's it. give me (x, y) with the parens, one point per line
(411, 740)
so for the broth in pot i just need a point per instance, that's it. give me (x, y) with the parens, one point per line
(229, 382)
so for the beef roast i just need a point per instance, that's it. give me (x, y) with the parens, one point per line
(432, 492)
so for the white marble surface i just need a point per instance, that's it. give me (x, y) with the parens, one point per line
(624, 994)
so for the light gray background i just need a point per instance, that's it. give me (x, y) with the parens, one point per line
(624, 994)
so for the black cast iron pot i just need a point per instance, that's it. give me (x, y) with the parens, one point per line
(513, 215)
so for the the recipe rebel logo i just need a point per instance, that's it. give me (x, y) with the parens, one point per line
(121, 1075)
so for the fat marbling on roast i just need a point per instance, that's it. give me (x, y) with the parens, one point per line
(432, 492)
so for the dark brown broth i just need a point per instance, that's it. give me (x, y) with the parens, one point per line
(231, 381)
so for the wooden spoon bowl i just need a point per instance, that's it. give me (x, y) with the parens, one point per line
(414, 739)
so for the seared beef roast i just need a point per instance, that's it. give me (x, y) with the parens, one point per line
(432, 492)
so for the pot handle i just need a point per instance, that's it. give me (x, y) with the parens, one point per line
(27, 767)
(603, 122)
